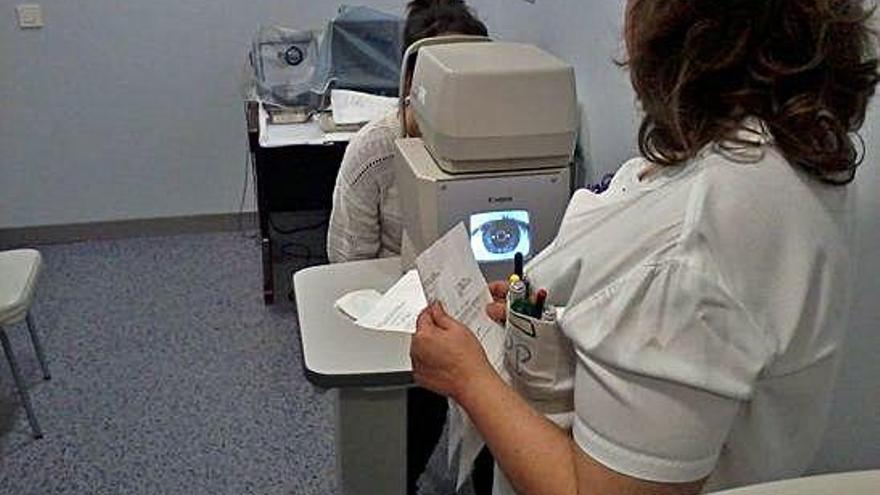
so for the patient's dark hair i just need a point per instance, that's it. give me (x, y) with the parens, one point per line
(429, 18)
(807, 68)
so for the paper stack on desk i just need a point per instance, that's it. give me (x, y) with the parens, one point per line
(352, 107)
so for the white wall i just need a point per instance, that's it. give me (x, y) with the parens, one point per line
(853, 438)
(130, 109)
(587, 33)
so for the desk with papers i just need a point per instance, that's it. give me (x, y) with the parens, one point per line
(295, 165)
(295, 168)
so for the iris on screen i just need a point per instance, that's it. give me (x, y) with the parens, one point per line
(499, 235)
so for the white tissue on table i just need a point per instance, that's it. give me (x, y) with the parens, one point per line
(357, 304)
(399, 308)
(395, 311)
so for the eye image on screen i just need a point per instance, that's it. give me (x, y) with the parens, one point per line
(499, 235)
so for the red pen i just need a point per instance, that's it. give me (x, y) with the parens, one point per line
(540, 300)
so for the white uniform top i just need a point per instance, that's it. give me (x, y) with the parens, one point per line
(706, 307)
(365, 222)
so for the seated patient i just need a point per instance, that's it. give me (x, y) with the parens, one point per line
(365, 222)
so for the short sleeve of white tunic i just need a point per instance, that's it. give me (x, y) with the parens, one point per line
(706, 308)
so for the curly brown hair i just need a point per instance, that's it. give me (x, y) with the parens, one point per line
(807, 68)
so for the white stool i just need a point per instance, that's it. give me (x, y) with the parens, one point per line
(19, 270)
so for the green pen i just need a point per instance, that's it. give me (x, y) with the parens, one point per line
(519, 301)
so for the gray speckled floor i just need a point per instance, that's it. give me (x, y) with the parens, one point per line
(169, 376)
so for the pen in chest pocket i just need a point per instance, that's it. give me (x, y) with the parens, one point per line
(540, 300)
(549, 314)
(518, 296)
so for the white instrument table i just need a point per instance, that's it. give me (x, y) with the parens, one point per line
(336, 352)
(371, 371)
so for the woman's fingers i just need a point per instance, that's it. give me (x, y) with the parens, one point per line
(498, 290)
(497, 311)
(425, 320)
(424, 324)
(440, 317)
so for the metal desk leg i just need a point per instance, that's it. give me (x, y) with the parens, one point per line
(268, 271)
(263, 212)
(371, 441)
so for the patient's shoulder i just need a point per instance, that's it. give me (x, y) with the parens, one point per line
(377, 136)
(370, 150)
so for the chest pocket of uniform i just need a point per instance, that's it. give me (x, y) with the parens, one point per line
(540, 361)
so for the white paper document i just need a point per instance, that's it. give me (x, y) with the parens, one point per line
(450, 274)
(359, 303)
(399, 308)
(353, 107)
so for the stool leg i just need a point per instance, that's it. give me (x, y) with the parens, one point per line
(22, 391)
(38, 347)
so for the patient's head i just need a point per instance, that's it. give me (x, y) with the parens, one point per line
(430, 18)
(807, 68)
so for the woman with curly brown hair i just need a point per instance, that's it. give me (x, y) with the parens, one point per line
(705, 295)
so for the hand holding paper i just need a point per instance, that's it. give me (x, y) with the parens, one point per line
(450, 275)
(445, 353)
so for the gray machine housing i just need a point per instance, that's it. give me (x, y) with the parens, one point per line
(499, 125)
(495, 107)
(436, 201)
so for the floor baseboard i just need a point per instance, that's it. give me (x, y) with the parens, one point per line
(122, 229)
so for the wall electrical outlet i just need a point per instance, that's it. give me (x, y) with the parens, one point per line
(30, 16)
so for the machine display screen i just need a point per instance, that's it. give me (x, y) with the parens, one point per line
(499, 235)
